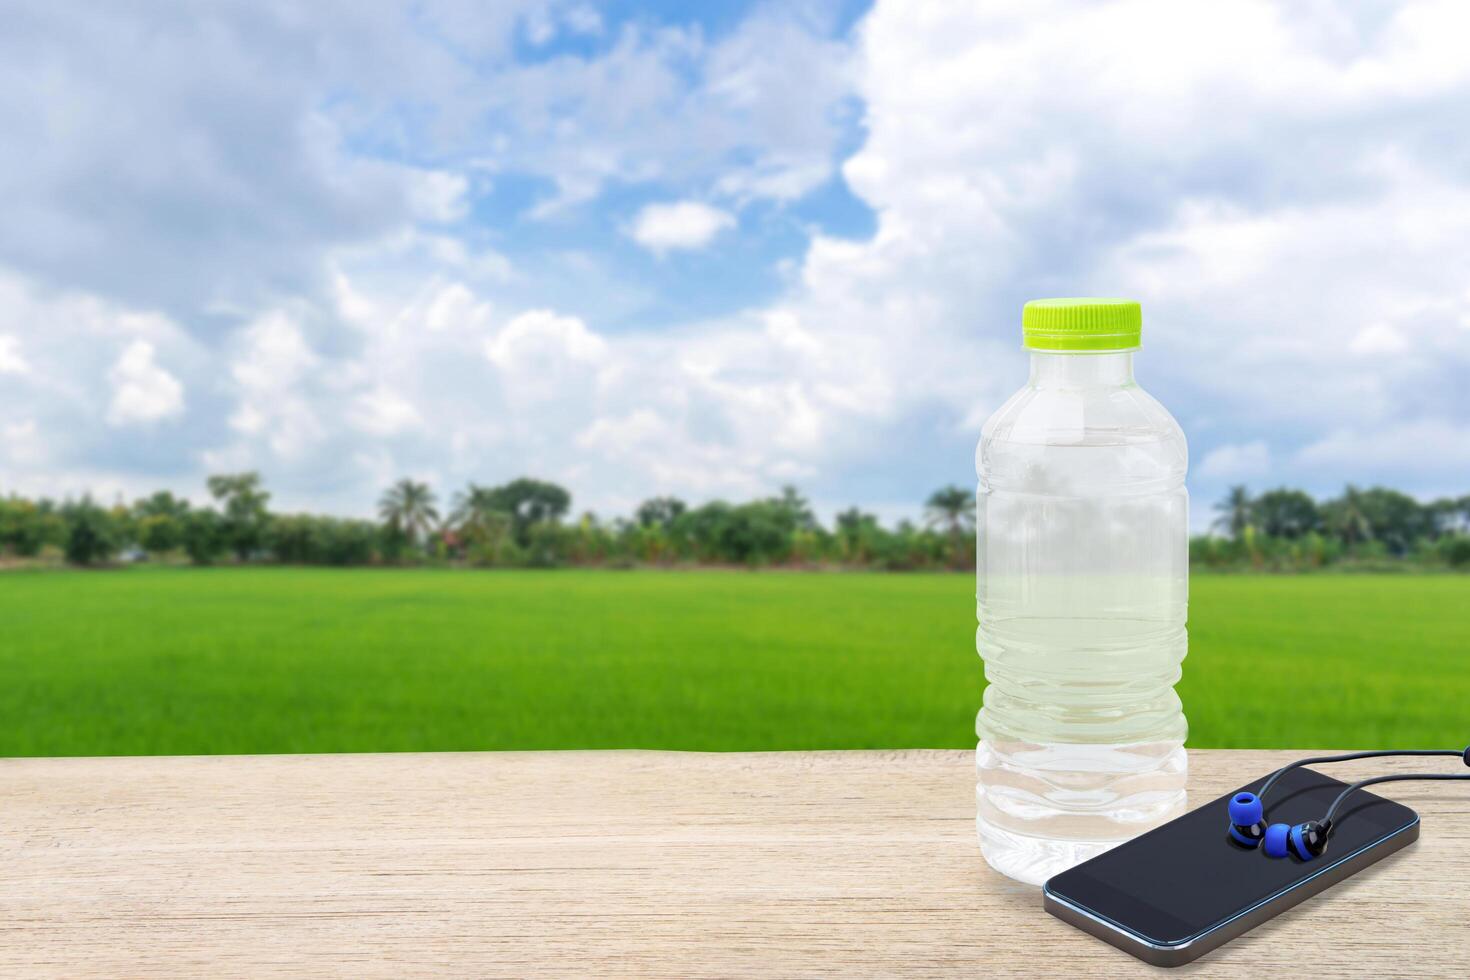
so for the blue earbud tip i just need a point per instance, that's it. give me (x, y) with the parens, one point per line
(1245, 809)
(1275, 843)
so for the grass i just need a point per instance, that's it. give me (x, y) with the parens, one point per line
(302, 660)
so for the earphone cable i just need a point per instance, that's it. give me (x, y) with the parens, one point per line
(1326, 821)
(1350, 756)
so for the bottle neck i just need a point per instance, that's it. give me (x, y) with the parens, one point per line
(1051, 369)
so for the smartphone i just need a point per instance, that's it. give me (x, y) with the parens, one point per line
(1173, 894)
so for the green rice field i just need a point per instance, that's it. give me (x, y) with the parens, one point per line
(303, 660)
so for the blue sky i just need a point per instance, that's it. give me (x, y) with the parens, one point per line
(709, 249)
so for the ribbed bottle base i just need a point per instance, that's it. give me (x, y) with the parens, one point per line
(1034, 859)
(1043, 808)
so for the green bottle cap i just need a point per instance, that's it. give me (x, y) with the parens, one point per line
(1081, 324)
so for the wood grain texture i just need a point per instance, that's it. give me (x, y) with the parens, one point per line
(615, 863)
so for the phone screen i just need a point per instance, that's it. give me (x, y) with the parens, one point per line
(1181, 880)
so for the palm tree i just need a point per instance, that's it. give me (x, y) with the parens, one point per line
(1347, 517)
(480, 517)
(954, 509)
(407, 507)
(1235, 511)
(472, 503)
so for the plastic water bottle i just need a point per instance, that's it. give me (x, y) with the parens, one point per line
(1082, 589)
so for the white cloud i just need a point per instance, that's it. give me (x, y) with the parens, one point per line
(11, 361)
(22, 445)
(1378, 338)
(711, 411)
(546, 360)
(1265, 267)
(1237, 462)
(344, 124)
(1409, 449)
(91, 367)
(163, 192)
(316, 239)
(276, 355)
(438, 196)
(583, 18)
(453, 307)
(384, 412)
(273, 379)
(758, 111)
(142, 391)
(679, 225)
(1299, 258)
(775, 179)
(540, 28)
(539, 340)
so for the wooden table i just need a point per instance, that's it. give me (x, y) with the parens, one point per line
(630, 863)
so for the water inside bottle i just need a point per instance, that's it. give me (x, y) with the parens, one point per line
(1082, 591)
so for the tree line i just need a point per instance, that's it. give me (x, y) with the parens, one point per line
(1289, 530)
(523, 523)
(527, 523)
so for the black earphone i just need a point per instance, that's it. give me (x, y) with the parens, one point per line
(1248, 825)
